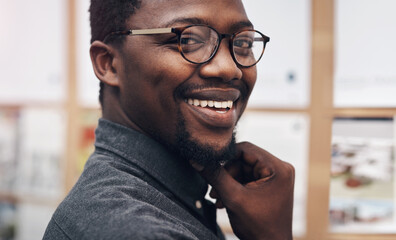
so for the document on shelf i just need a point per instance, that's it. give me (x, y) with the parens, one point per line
(283, 79)
(41, 151)
(363, 179)
(33, 50)
(365, 60)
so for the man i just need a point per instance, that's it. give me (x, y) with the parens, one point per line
(175, 78)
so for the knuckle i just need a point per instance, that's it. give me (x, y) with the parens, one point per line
(290, 168)
(247, 145)
(290, 171)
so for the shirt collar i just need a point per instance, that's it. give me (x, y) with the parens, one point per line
(174, 173)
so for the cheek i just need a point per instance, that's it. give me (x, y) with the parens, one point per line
(148, 88)
(250, 76)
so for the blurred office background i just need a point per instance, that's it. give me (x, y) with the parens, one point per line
(324, 100)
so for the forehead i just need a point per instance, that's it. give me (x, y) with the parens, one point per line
(221, 14)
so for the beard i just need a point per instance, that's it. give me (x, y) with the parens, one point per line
(202, 154)
(188, 149)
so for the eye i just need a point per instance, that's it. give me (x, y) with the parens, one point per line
(243, 46)
(243, 43)
(190, 41)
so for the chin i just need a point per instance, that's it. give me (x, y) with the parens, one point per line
(209, 154)
(216, 145)
(209, 150)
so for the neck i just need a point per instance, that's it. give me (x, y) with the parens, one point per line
(113, 111)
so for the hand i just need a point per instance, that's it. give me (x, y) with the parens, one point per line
(257, 192)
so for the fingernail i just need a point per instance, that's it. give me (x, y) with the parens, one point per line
(197, 166)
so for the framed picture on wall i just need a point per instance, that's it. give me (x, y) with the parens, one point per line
(363, 179)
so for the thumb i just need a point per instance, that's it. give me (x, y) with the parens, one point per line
(225, 185)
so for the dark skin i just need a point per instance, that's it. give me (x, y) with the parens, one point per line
(141, 78)
(257, 192)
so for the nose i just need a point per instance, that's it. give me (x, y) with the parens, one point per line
(222, 66)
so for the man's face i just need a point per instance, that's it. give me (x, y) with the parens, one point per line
(157, 83)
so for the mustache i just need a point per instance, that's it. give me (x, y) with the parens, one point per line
(185, 88)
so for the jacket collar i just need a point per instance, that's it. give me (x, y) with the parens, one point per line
(175, 174)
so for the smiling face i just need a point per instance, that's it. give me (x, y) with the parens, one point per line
(191, 108)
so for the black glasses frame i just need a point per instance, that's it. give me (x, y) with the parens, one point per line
(179, 30)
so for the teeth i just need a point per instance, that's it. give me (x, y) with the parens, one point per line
(210, 103)
(217, 104)
(196, 102)
(229, 104)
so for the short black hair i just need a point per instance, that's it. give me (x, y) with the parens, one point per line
(107, 16)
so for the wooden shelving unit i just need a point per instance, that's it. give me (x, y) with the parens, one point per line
(322, 114)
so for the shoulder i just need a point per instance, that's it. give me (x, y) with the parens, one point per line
(137, 228)
(120, 215)
(113, 202)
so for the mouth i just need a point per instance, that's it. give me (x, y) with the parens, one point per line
(218, 106)
(214, 108)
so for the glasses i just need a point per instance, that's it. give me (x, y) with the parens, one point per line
(199, 43)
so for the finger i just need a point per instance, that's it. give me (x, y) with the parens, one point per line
(213, 193)
(219, 204)
(222, 182)
(262, 170)
(234, 168)
(260, 181)
(251, 153)
(257, 161)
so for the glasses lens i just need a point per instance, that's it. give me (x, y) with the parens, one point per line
(198, 43)
(248, 47)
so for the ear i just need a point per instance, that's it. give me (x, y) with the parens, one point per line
(102, 57)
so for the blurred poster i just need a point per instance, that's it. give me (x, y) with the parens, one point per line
(88, 124)
(33, 50)
(87, 83)
(365, 72)
(8, 222)
(8, 148)
(41, 150)
(362, 187)
(286, 136)
(28, 228)
(284, 71)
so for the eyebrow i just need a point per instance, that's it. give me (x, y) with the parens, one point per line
(186, 21)
(234, 27)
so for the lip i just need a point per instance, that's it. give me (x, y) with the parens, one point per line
(209, 118)
(230, 94)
